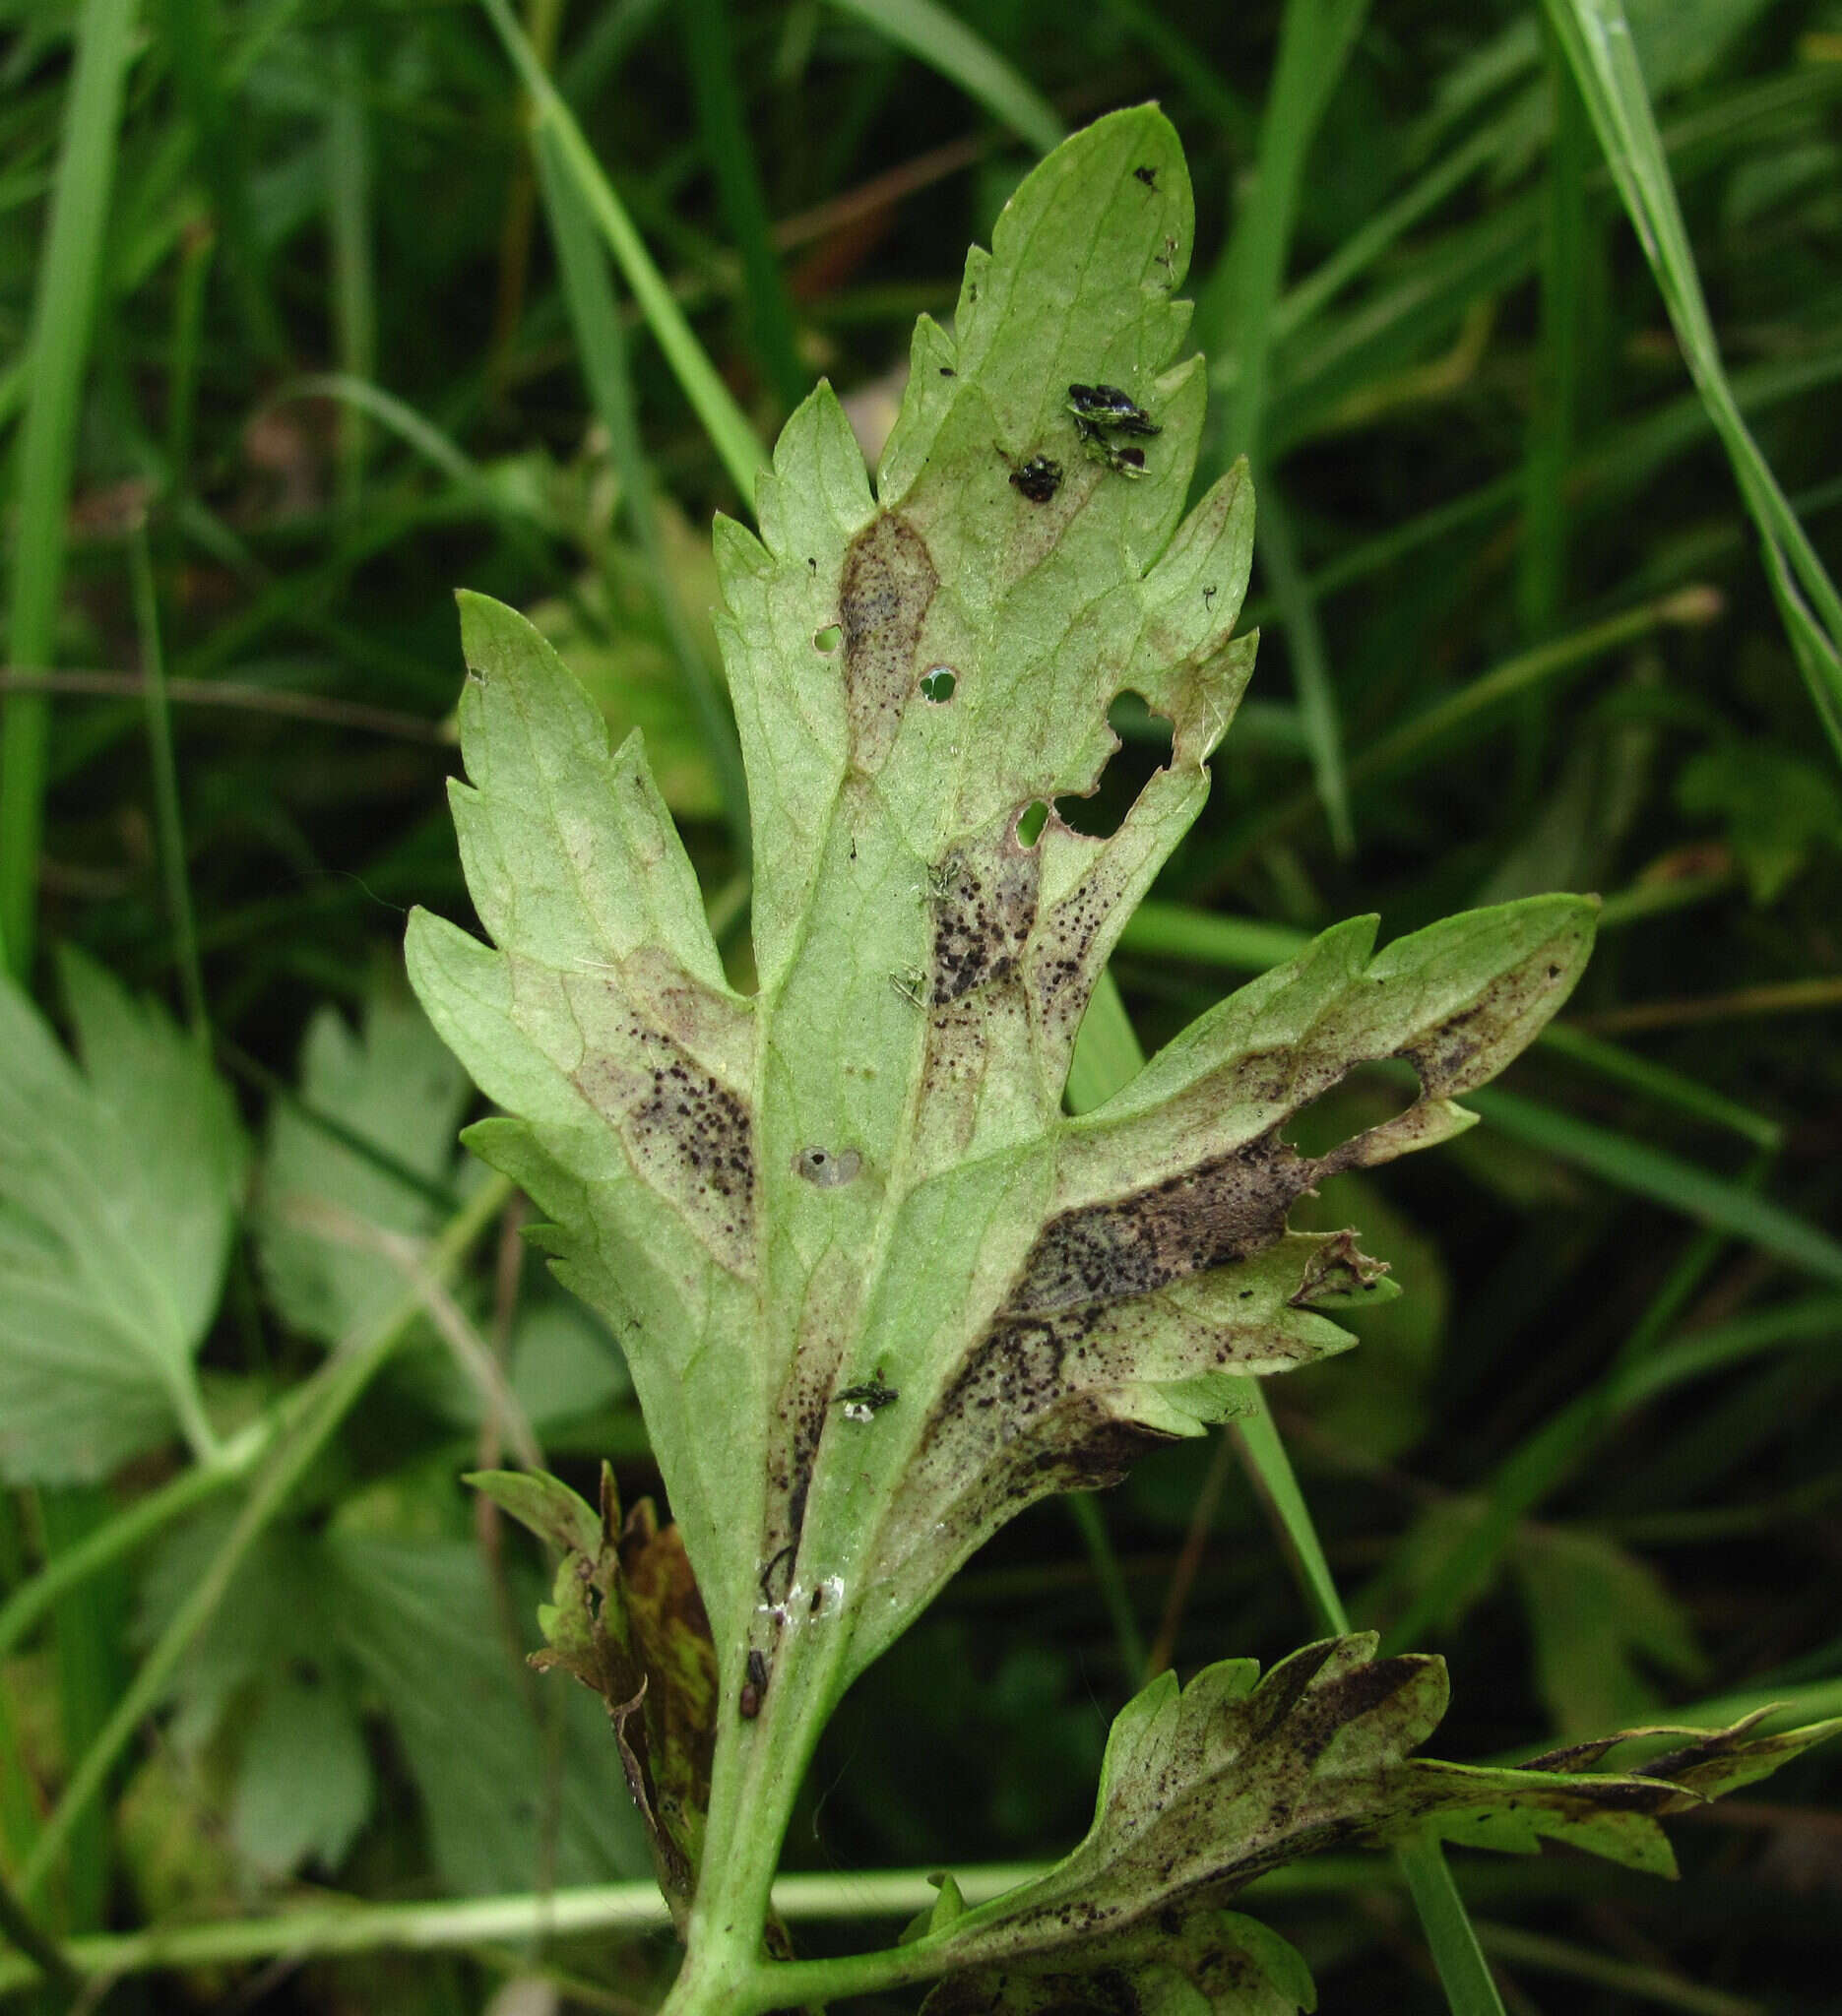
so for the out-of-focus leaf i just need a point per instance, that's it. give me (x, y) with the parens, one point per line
(1778, 809)
(422, 1628)
(395, 1085)
(561, 1363)
(1681, 41)
(119, 1184)
(1598, 1616)
(304, 1789)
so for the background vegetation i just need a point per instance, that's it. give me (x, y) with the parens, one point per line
(350, 348)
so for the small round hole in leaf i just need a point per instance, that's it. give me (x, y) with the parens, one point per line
(829, 639)
(1031, 822)
(937, 683)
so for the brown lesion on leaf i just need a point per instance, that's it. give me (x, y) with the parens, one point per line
(685, 1130)
(1220, 1211)
(984, 905)
(1336, 1268)
(886, 589)
(629, 1623)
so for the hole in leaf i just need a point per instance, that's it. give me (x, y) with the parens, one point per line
(937, 683)
(1144, 749)
(1031, 822)
(829, 639)
(1364, 1096)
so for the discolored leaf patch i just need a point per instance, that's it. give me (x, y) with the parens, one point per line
(1206, 1788)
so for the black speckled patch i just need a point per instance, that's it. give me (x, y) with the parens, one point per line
(888, 585)
(984, 910)
(685, 1130)
(1223, 1209)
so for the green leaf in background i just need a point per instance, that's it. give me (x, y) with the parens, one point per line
(1600, 1617)
(119, 1186)
(324, 1630)
(1778, 808)
(324, 1204)
(305, 1786)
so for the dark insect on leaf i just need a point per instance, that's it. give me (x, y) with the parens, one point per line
(1105, 406)
(748, 1705)
(1039, 478)
(1149, 177)
(860, 1403)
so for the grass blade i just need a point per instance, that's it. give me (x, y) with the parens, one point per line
(724, 421)
(1597, 40)
(1714, 1201)
(1310, 666)
(711, 58)
(63, 315)
(941, 40)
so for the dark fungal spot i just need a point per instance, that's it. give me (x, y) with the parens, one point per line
(888, 585)
(1222, 1210)
(681, 1127)
(984, 910)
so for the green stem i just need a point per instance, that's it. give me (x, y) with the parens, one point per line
(347, 1375)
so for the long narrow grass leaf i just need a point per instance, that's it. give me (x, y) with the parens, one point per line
(724, 421)
(63, 314)
(940, 38)
(600, 345)
(1598, 42)
(1663, 1178)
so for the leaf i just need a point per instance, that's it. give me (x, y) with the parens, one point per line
(876, 1292)
(1215, 1963)
(626, 1619)
(119, 1184)
(395, 1085)
(1598, 1616)
(1207, 1787)
(420, 1624)
(1778, 808)
(544, 1504)
(305, 1787)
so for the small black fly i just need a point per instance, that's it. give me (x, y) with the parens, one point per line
(756, 1684)
(1123, 461)
(863, 1402)
(1105, 406)
(1149, 177)
(1039, 478)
